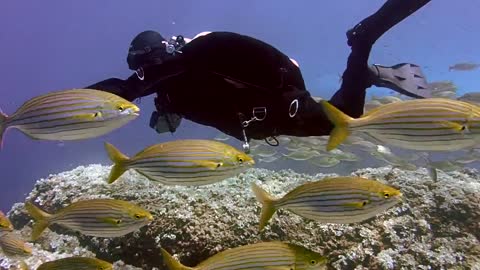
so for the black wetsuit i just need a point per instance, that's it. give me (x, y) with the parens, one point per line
(219, 78)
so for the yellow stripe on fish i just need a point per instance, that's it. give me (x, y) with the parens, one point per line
(264, 255)
(182, 162)
(12, 245)
(76, 263)
(96, 217)
(432, 124)
(70, 115)
(333, 200)
(5, 224)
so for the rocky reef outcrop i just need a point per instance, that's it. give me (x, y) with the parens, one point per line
(437, 226)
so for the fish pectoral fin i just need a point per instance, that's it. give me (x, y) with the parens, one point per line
(88, 116)
(356, 204)
(455, 126)
(208, 164)
(112, 221)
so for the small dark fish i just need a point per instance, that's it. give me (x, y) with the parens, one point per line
(442, 86)
(463, 67)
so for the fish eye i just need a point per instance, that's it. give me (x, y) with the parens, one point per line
(240, 160)
(364, 203)
(121, 108)
(138, 216)
(313, 262)
(118, 221)
(386, 195)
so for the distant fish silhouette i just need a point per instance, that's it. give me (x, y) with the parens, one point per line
(463, 67)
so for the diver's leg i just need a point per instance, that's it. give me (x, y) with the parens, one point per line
(350, 98)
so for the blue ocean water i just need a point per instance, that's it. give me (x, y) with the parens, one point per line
(55, 45)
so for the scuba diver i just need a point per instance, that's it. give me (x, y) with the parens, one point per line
(248, 89)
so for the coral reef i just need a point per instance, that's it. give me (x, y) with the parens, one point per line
(437, 226)
(55, 246)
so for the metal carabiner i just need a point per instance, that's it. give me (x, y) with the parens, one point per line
(255, 112)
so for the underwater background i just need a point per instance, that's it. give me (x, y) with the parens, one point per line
(54, 45)
(57, 45)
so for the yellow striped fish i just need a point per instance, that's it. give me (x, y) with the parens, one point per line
(5, 224)
(182, 162)
(333, 200)
(433, 124)
(96, 217)
(13, 246)
(76, 263)
(70, 115)
(264, 255)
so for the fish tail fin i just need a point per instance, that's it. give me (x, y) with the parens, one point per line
(3, 126)
(268, 205)
(119, 159)
(23, 265)
(340, 121)
(172, 263)
(42, 219)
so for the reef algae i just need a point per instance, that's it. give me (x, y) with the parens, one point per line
(436, 227)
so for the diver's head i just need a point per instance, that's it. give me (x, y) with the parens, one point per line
(147, 48)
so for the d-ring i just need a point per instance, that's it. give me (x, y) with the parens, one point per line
(293, 103)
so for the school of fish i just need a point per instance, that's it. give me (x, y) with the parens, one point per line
(440, 123)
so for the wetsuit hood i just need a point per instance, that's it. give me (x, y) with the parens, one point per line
(147, 48)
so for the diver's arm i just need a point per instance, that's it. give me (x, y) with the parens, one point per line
(350, 98)
(134, 87)
(129, 89)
